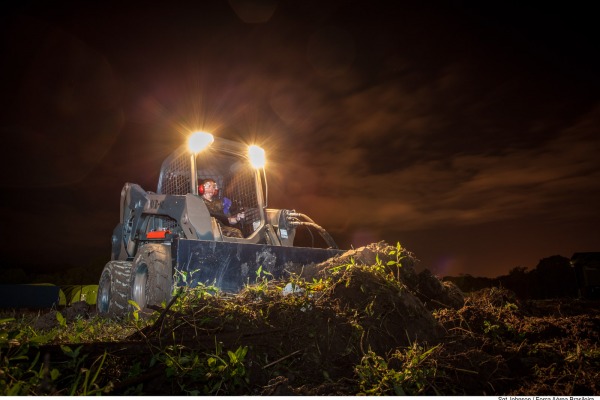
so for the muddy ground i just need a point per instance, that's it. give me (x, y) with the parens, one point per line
(363, 323)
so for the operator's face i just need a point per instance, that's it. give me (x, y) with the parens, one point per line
(210, 189)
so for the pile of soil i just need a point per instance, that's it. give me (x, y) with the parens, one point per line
(366, 322)
(309, 341)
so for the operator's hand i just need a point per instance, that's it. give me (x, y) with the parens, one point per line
(238, 217)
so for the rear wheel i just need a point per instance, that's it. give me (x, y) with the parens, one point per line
(113, 288)
(152, 276)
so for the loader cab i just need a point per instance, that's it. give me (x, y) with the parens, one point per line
(228, 164)
(236, 180)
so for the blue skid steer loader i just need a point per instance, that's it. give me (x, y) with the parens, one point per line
(170, 234)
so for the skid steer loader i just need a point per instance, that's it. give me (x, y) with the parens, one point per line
(170, 238)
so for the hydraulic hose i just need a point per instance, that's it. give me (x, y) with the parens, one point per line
(294, 220)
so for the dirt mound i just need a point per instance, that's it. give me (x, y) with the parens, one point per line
(316, 327)
(400, 263)
(361, 323)
(347, 327)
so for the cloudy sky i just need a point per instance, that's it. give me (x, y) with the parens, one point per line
(468, 133)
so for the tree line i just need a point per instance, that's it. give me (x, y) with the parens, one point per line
(553, 277)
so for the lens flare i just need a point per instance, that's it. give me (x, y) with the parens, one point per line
(257, 156)
(198, 141)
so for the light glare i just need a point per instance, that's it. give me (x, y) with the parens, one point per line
(257, 156)
(198, 141)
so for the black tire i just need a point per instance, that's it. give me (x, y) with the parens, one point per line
(152, 276)
(114, 289)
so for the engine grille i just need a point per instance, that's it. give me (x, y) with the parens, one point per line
(161, 222)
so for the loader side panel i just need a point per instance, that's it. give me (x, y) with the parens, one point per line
(143, 211)
(229, 266)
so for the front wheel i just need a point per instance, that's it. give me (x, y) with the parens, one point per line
(152, 276)
(113, 289)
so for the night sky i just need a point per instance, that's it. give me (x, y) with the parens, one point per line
(467, 132)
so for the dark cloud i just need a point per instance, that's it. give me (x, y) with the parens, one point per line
(64, 106)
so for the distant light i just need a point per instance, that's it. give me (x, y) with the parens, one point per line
(198, 141)
(257, 156)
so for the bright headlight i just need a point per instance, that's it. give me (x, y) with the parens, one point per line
(198, 141)
(257, 156)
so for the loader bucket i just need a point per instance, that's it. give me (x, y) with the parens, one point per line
(229, 266)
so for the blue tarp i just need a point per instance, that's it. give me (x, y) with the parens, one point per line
(28, 296)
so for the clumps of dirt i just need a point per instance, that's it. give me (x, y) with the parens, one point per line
(520, 348)
(436, 294)
(368, 255)
(76, 310)
(391, 314)
(400, 263)
(309, 339)
(370, 302)
(366, 322)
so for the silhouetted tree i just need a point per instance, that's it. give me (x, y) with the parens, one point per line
(14, 276)
(468, 283)
(517, 280)
(553, 277)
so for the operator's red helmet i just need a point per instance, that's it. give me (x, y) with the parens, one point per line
(204, 182)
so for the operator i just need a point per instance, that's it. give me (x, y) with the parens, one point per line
(209, 190)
